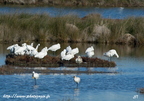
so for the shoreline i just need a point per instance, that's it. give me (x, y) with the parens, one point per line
(78, 3)
(10, 70)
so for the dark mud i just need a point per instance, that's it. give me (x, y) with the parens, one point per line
(51, 61)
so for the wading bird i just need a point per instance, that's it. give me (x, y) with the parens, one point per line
(89, 49)
(65, 56)
(35, 76)
(42, 53)
(34, 51)
(89, 52)
(76, 80)
(111, 53)
(68, 48)
(12, 48)
(21, 50)
(54, 47)
(79, 60)
(73, 51)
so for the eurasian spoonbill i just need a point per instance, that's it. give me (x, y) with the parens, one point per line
(76, 80)
(111, 53)
(35, 76)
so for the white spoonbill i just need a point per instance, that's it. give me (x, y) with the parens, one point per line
(30, 47)
(76, 80)
(42, 53)
(68, 48)
(111, 53)
(34, 51)
(21, 50)
(90, 54)
(73, 51)
(35, 76)
(54, 47)
(89, 49)
(12, 48)
(79, 60)
(66, 57)
(63, 53)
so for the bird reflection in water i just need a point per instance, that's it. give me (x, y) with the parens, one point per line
(35, 87)
(76, 92)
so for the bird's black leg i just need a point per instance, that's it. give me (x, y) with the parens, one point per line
(77, 85)
(35, 81)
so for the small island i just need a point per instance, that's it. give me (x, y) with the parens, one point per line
(51, 61)
(26, 64)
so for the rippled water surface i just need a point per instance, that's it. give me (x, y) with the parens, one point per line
(93, 87)
(115, 12)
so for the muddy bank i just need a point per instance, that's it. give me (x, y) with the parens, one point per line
(9, 70)
(103, 3)
(141, 90)
(51, 61)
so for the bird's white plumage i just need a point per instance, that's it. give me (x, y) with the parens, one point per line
(30, 47)
(63, 53)
(35, 75)
(68, 49)
(35, 50)
(10, 47)
(13, 48)
(21, 50)
(68, 57)
(65, 56)
(90, 54)
(73, 51)
(42, 53)
(76, 79)
(54, 47)
(89, 49)
(111, 53)
(79, 60)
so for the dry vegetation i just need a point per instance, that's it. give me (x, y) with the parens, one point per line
(71, 28)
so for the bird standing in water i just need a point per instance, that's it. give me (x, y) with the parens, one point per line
(76, 80)
(111, 53)
(35, 76)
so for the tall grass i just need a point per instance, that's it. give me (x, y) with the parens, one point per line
(68, 28)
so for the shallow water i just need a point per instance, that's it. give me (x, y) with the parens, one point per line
(101, 87)
(111, 12)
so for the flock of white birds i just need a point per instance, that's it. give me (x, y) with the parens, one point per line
(66, 54)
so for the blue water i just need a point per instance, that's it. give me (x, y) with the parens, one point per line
(93, 87)
(114, 13)
(102, 87)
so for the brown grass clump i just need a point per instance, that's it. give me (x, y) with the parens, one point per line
(141, 90)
